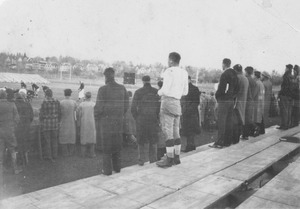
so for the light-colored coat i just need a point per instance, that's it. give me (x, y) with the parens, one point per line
(67, 131)
(242, 96)
(268, 95)
(259, 103)
(87, 122)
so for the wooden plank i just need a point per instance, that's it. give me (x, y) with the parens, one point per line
(216, 185)
(185, 198)
(256, 164)
(256, 202)
(115, 203)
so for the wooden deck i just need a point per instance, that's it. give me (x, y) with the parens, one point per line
(283, 191)
(203, 178)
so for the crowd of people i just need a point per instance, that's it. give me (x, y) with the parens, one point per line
(162, 117)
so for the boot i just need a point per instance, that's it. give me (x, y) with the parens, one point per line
(165, 162)
(17, 170)
(177, 159)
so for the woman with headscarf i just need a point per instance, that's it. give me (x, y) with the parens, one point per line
(67, 132)
(23, 128)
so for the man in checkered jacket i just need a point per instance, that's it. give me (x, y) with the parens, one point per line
(50, 115)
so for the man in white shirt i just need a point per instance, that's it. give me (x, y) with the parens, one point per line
(175, 85)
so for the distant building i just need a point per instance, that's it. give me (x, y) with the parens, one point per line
(65, 67)
(92, 68)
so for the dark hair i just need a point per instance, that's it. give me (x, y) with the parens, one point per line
(160, 84)
(48, 93)
(68, 92)
(175, 57)
(10, 94)
(190, 78)
(257, 74)
(227, 62)
(249, 70)
(146, 78)
(109, 72)
(238, 68)
(88, 95)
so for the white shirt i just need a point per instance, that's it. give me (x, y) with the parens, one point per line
(175, 83)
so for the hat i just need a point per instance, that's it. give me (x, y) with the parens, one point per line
(289, 66)
(68, 92)
(146, 78)
(238, 68)
(257, 74)
(266, 74)
(249, 70)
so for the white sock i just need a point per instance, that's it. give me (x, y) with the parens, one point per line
(170, 152)
(177, 149)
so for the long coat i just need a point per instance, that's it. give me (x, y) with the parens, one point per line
(259, 102)
(23, 128)
(67, 131)
(190, 115)
(145, 110)
(268, 95)
(242, 96)
(251, 95)
(111, 105)
(87, 122)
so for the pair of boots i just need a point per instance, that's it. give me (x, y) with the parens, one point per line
(167, 161)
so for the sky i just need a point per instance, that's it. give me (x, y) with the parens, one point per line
(262, 33)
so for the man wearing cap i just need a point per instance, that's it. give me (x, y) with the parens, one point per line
(50, 115)
(111, 106)
(296, 98)
(259, 105)
(190, 116)
(175, 85)
(241, 102)
(249, 126)
(268, 95)
(285, 95)
(226, 98)
(145, 110)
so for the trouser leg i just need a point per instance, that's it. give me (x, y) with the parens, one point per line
(54, 143)
(83, 150)
(47, 145)
(64, 150)
(2, 149)
(141, 154)
(152, 152)
(107, 163)
(71, 149)
(116, 161)
(222, 119)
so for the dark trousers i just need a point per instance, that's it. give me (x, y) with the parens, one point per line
(237, 127)
(152, 153)
(111, 161)
(225, 125)
(2, 149)
(50, 144)
(111, 144)
(67, 149)
(295, 113)
(285, 111)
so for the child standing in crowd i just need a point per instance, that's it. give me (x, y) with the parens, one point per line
(87, 126)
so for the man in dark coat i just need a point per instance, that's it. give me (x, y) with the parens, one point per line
(111, 106)
(226, 98)
(190, 116)
(296, 98)
(23, 129)
(145, 110)
(285, 96)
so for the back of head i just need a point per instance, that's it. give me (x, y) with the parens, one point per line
(238, 68)
(3, 94)
(68, 92)
(296, 69)
(146, 79)
(49, 93)
(109, 72)
(249, 70)
(257, 74)
(88, 95)
(226, 62)
(174, 58)
(10, 94)
(20, 95)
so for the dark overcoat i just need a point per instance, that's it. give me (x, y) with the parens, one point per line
(111, 106)
(145, 110)
(190, 114)
(252, 93)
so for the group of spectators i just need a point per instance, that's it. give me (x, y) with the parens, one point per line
(244, 102)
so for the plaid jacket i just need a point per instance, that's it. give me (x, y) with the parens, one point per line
(50, 114)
